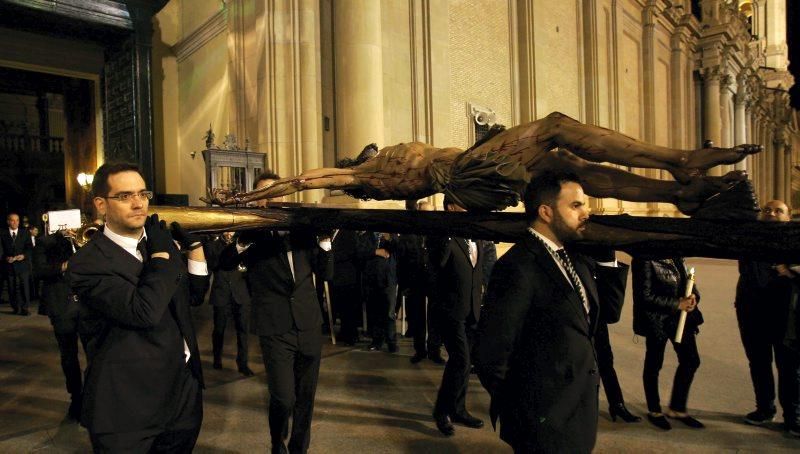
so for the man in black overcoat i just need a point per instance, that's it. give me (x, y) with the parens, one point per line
(287, 318)
(50, 262)
(17, 255)
(143, 389)
(534, 352)
(456, 265)
(230, 298)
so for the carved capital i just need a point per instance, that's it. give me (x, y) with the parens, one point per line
(725, 82)
(710, 74)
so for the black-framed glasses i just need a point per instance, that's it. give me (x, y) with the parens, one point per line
(130, 196)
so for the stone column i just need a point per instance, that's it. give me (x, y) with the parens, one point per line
(358, 76)
(711, 112)
(740, 120)
(726, 128)
(779, 144)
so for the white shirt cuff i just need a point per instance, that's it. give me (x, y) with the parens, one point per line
(325, 245)
(240, 248)
(197, 268)
(609, 264)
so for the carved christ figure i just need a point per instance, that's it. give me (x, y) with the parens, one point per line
(492, 174)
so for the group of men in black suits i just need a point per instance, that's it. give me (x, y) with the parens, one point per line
(143, 389)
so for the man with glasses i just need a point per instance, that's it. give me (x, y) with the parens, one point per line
(763, 297)
(143, 390)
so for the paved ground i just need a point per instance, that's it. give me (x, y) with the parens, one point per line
(379, 403)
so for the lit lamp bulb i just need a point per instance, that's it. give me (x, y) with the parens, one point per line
(85, 180)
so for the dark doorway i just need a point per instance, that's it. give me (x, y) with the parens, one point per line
(47, 132)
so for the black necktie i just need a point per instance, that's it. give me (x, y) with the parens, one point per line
(13, 237)
(142, 248)
(573, 277)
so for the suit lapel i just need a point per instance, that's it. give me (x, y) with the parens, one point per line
(548, 264)
(129, 266)
(462, 244)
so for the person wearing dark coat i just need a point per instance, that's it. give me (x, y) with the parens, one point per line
(287, 318)
(765, 294)
(17, 255)
(345, 288)
(456, 266)
(658, 299)
(230, 298)
(143, 388)
(50, 261)
(377, 251)
(534, 351)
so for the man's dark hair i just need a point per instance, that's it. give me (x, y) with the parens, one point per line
(544, 190)
(448, 201)
(100, 186)
(266, 175)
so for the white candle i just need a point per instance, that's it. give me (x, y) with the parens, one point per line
(687, 293)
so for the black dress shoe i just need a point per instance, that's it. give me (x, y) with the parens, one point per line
(217, 364)
(374, 348)
(246, 371)
(619, 410)
(468, 420)
(392, 348)
(444, 425)
(417, 358)
(24, 313)
(659, 421)
(689, 421)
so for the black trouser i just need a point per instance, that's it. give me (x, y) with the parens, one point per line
(688, 363)
(381, 315)
(347, 301)
(605, 365)
(240, 318)
(292, 363)
(458, 337)
(179, 436)
(421, 321)
(761, 341)
(66, 333)
(19, 292)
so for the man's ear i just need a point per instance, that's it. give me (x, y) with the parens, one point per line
(100, 206)
(545, 213)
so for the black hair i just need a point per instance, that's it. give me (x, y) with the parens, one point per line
(100, 185)
(544, 190)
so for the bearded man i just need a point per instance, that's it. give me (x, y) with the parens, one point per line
(534, 351)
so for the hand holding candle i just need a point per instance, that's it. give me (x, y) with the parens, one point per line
(687, 294)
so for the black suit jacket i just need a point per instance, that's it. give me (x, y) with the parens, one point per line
(280, 302)
(48, 256)
(21, 245)
(534, 352)
(458, 285)
(229, 286)
(135, 318)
